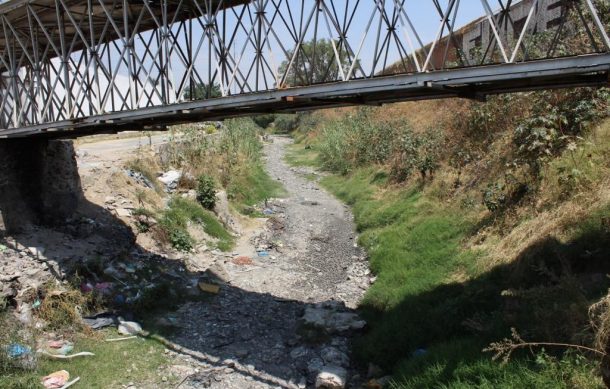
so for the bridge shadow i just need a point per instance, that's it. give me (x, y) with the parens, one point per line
(232, 329)
(545, 294)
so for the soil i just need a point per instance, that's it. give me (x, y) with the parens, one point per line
(285, 307)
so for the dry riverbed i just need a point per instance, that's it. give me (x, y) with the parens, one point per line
(284, 313)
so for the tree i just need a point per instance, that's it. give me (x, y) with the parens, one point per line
(202, 91)
(315, 62)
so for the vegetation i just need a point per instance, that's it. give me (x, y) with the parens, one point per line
(202, 91)
(206, 191)
(232, 159)
(490, 221)
(180, 213)
(315, 62)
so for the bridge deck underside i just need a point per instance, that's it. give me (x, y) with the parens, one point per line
(45, 13)
(472, 83)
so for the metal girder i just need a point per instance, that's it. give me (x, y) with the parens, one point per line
(71, 67)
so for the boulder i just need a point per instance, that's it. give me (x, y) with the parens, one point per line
(331, 377)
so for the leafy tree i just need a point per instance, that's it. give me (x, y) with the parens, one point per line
(315, 62)
(202, 91)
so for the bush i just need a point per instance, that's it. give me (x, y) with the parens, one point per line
(264, 121)
(286, 123)
(206, 191)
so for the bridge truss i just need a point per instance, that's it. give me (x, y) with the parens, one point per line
(69, 67)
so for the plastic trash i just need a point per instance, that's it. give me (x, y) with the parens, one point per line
(209, 288)
(419, 352)
(268, 211)
(129, 328)
(60, 347)
(100, 321)
(262, 253)
(36, 304)
(17, 350)
(56, 380)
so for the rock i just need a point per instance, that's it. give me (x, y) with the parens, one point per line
(129, 328)
(37, 252)
(332, 320)
(331, 377)
(315, 365)
(122, 212)
(333, 356)
(298, 352)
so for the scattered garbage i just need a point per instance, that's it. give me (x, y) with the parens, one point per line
(121, 339)
(209, 288)
(3, 248)
(419, 352)
(262, 253)
(56, 380)
(170, 179)
(63, 357)
(268, 211)
(36, 304)
(60, 347)
(242, 260)
(17, 350)
(139, 178)
(100, 321)
(129, 328)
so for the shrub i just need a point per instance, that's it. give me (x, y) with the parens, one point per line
(180, 239)
(264, 121)
(206, 191)
(286, 123)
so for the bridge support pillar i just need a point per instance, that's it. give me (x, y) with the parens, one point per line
(39, 182)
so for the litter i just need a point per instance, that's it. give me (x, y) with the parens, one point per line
(57, 356)
(419, 352)
(56, 380)
(101, 320)
(262, 253)
(242, 260)
(120, 339)
(129, 328)
(36, 304)
(60, 347)
(3, 248)
(17, 350)
(268, 211)
(209, 288)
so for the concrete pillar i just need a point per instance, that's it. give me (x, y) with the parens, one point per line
(39, 182)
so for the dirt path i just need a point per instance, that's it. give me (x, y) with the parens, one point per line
(280, 320)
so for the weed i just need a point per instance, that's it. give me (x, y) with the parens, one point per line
(206, 191)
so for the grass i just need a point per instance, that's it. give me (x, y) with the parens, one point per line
(299, 154)
(114, 365)
(433, 294)
(253, 187)
(180, 212)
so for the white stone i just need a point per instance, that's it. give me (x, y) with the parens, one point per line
(331, 377)
(129, 328)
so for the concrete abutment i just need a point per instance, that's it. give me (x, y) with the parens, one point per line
(39, 182)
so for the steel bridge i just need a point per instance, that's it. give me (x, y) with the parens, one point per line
(69, 68)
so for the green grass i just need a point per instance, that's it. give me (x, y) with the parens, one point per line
(114, 364)
(253, 187)
(298, 154)
(181, 211)
(430, 293)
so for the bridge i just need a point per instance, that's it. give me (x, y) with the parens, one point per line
(70, 68)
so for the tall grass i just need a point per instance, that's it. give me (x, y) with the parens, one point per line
(233, 157)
